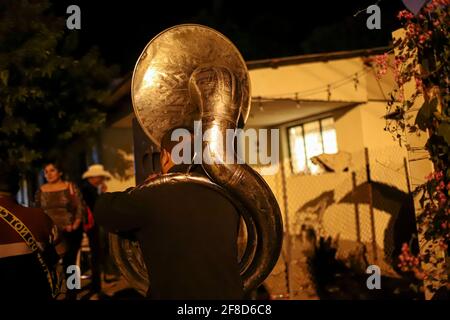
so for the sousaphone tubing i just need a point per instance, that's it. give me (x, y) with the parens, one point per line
(188, 73)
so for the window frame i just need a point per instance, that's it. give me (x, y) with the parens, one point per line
(302, 124)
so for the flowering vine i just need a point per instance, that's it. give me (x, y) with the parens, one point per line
(422, 59)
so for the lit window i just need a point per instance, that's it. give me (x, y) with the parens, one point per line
(311, 139)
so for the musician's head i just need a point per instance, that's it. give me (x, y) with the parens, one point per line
(177, 147)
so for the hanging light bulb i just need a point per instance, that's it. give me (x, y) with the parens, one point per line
(297, 103)
(261, 108)
(356, 81)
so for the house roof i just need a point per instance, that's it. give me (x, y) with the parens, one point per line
(316, 57)
(119, 101)
(124, 85)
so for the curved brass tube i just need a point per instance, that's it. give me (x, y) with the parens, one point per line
(216, 91)
(127, 253)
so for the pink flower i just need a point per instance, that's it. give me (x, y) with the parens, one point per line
(381, 62)
(433, 5)
(405, 14)
(422, 38)
(438, 175)
(419, 83)
(412, 28)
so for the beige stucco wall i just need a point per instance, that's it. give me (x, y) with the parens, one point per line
(310, 76)
(117, 157)
(358, 127)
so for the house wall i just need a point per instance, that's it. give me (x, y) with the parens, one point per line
(330, 199)
(117, 157)
(308, 77)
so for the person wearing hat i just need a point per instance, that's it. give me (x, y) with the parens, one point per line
(92, 186)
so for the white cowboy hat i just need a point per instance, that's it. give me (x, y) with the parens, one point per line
(96, 170)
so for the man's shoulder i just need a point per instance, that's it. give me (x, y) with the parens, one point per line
(20, 210)
(178, 191)
(36, 214)
(208, 194)
(34, 218)
(174, 186)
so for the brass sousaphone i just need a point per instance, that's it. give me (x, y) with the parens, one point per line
(192, 72)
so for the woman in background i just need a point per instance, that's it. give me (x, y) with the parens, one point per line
(63, 203)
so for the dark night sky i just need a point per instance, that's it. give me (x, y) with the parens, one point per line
(260, 29)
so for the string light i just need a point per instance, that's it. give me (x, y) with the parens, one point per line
(297, 102)
(297, 96)
(356, 81)
(261, 108)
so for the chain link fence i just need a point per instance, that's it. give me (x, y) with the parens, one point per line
(366, 210)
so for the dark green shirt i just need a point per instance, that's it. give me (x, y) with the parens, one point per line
(188, 235)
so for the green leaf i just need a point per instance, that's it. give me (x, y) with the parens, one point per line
(425, 114)
(54, 98)
(444, 131)
(4, 76)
